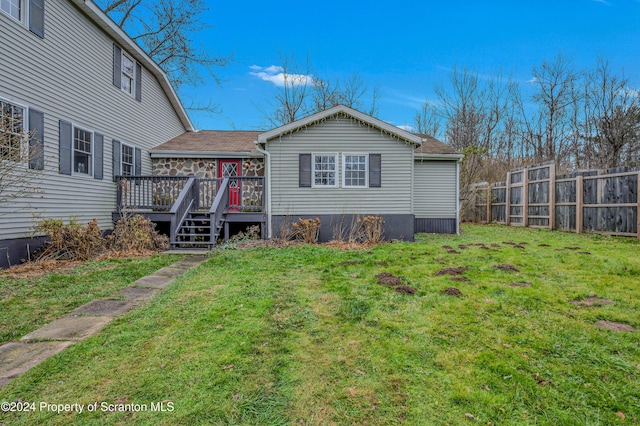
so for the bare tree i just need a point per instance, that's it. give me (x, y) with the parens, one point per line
(612, 118)
(21, 157)
(164, 29)
(427, 121)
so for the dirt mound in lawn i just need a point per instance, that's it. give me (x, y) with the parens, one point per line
(451, 271)
(506, 267)
(614, 326)
(385, 278)
(405, 289)
(591, 301)
(451, 291)
(515, 284)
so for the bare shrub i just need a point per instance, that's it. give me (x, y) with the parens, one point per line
(306, 230)
(372, 229)
(70, 241)
(136, 234)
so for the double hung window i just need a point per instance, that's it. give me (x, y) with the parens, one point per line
(11, 131)
(82, 151)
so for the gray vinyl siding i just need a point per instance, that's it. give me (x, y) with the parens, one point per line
(68, 76)
(434, 189)
(340, 136)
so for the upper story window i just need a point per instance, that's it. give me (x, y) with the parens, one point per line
(12, 8)
(11, 130)
(355, 170)
(82, 151)
(127, 160)
(128, 81)
(127, 73)
(325, 168)
(20, 10)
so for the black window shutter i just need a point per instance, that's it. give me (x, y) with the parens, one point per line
(375, 170)
(117, 66)
(137, 168)
(98, 156)
(138, 82)
(65, 147)
(116, 158)
(304, 169)
(36, 139)
(36, 17)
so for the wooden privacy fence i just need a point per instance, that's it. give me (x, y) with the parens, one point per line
(594, 201)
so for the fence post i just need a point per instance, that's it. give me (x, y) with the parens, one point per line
(488, 200)
(552, 196)
(507, 198)
(525, 197)
(579, 202)
(638, 208)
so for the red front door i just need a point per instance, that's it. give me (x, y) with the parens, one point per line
(230, 169)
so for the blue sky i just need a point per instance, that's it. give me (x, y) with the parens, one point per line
(404, 47)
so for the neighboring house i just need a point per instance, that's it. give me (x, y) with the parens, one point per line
(95, 100)
(337, 165)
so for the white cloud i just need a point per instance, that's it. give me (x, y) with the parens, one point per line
(532, 80)
(275, 75)
(407, 128)
(605, 2)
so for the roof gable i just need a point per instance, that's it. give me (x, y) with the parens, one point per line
(343, 112)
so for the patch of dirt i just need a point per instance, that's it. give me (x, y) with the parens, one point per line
(543, 245)
(405, 289)
(584, 252)
(462, 246)
(614, 326)
(506, 267)
(350, 262)
(385, 278)
(519, 246)
(451, 291)
(460, 279)
(511, 243)
(495, 245)
(447, 247)
(573, 248)
(35, 269)
(453, 251)
(440, 260)
(451, 271)
(591, 301)
(519, 284)
(484, 248)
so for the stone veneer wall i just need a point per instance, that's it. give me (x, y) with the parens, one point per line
(202, 167)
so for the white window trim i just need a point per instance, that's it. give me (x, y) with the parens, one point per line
(124, 75)
(24, 9)
(313, 169)
(344, 170)
(133, 158)
(73, 150)
(25, 125)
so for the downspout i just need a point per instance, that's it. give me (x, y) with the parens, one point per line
(267, 172)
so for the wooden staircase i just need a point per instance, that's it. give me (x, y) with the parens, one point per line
(195, 231)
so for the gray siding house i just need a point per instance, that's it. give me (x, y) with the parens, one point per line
(337, 165)
(93, 98)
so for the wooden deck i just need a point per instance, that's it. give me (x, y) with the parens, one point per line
(197, 210)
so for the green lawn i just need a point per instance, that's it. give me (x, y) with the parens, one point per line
(305, 335)
(27, 304)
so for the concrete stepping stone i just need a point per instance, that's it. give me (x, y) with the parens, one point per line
(154, 281)
(106, 308)
(138, 293)
(18, 357)
(169, 271)
(69, 328)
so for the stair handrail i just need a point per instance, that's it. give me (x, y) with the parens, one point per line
(219, 206)
(182, 207)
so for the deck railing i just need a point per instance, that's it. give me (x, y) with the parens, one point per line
(159, 193)
(187, 199)
(156, 193)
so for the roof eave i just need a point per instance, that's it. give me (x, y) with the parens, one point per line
(180, 153)
(450, 157)
(104, 22)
